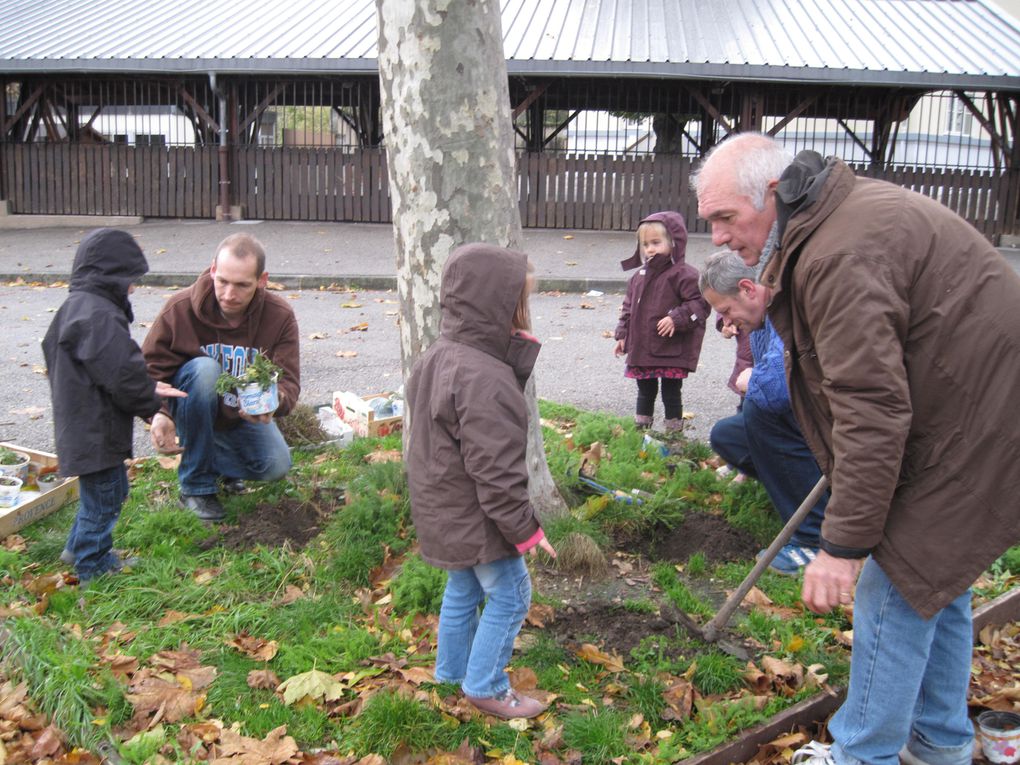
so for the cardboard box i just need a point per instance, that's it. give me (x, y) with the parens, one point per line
(355, 411)
(33, 505)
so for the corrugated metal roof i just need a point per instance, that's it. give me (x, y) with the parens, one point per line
(927, 43)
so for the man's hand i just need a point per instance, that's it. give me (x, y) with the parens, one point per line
(166, 390)
(742, 379)
(163, 434)
(729, 330)
(829, 582)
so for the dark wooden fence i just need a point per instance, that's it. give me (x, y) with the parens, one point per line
(597, 192)
(109, 179)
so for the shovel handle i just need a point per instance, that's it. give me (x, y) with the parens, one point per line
(722, 617)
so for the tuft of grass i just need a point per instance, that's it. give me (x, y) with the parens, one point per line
(645, 693)
(64, 680)
(578, 553)
(418, 588)
(716, 672)
(665, 576)
(601, 735)
(696, 564)
(390, 719)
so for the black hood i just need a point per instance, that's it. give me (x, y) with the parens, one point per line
(107, 262)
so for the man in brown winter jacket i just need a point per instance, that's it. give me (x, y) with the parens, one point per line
(221, 323)
(901, 334)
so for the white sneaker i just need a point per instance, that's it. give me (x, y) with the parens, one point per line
(813, 753)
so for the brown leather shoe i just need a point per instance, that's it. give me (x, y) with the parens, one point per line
(509, 705)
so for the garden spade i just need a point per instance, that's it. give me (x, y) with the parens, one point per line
(710, 632)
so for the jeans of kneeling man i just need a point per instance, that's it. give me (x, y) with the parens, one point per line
(251, 451)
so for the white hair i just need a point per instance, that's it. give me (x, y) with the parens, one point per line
(762, 159)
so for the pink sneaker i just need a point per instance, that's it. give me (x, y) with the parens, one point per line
(509, 705)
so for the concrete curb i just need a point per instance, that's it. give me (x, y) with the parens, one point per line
(21, 222)
(379, 282)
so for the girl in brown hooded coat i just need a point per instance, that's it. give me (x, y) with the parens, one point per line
(467, 427)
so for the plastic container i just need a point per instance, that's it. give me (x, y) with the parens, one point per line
(10, 491)
(1000, 736)
(254, 399)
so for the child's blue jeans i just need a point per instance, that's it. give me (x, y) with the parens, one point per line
(101, 495)
(475, 649)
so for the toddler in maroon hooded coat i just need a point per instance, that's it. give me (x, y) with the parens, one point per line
(662, 322)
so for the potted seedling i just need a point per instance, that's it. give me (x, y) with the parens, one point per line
(10, 487)
(14, 463)
(256, 387)
(50, 480)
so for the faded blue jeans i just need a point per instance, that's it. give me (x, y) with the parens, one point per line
(90, 541)
(250, 451)
(475, 649)
(908, 680)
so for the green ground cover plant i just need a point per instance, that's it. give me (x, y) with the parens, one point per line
(315, 638)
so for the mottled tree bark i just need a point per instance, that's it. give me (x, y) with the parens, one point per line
(450, 151)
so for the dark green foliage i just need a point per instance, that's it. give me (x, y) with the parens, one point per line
(418, 588)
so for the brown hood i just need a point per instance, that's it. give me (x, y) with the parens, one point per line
(481, 286)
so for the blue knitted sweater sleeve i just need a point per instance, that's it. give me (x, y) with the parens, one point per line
(767, 386)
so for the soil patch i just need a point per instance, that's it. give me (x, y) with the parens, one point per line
(706, 533)
(593, 610)
(293, 522)
(613, 628)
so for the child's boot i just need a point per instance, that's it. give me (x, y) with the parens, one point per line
(642, 421)
(673, 426)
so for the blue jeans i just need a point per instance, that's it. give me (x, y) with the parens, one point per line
(769, 447)
(90, 541)
(908, 680)
(250, 451)
(474, 650)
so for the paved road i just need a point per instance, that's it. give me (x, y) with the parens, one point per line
(576, 365)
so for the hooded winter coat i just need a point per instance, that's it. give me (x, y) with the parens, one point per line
(663, 287)
(467, 420)
(903, 363)
(190, 325)
(96, 371)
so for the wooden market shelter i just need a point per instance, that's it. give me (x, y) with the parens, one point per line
(270, 110)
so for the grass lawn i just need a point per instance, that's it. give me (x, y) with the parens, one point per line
(303, 629)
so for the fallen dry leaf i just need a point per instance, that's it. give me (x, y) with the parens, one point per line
(277, 286)
(291, 593)
(346, 354)
(163, 699)
(254, 647)
(275, 749)
(263, 678)
(362, 327)
(383, 455)
(318, 336)
(612, 662)
(315, 684)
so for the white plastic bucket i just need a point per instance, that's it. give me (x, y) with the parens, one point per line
(10, 491)
(254, 399)
(1000, 736)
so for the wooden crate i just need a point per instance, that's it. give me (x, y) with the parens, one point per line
(33, 505)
